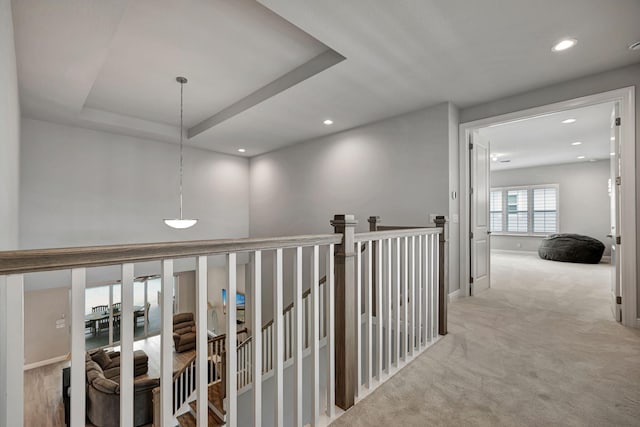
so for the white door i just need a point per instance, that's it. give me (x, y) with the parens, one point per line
(479, 236)
(614, 194)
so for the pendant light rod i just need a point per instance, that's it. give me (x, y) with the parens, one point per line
(181, 222)
(182, 81)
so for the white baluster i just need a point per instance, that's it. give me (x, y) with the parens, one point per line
(330, 319)
(358, 313)
(379, 315)
(429, 288)
(257, 333)
(166, 343)
(202, 382)
(126, 346)
(369, 316)
(420, 323)
(405, 298)
(78, 285)
(298, 357)
(397, 285)
(389, 303)
(436, 289)
(315, 339)
(12, 352)
(279, 343)
(412, 295)
(232, 357)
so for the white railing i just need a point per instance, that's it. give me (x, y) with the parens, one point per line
(402, 272)
(396, 317)
(245, 349)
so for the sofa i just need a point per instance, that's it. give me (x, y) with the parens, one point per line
(184, 332)
(103, 389)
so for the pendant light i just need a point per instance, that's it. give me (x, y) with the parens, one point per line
(181, 222)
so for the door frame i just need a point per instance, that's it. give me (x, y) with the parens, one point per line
(625, 97)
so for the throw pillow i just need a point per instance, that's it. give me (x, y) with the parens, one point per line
(101, 358)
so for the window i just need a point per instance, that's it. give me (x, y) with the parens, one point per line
(524, 210)
(495, 211)
(517, 211)
(545, 210)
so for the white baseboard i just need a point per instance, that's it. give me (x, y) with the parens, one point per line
(513, 251)
(47, 362)
(454, 295)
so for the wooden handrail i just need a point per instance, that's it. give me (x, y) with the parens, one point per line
(32, 260)
(389, 234)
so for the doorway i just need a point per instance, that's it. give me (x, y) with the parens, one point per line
(512, 210)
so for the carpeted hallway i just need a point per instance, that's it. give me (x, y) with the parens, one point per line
(538, 349)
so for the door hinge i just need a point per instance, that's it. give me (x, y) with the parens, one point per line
(471, 146)
(618, 300)
(471, 280)
(618, 121)
(618, 240)
(618, 180)
(471, 191)
(471, 234)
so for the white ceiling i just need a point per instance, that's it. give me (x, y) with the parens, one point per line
(111, 65)
(545, 140)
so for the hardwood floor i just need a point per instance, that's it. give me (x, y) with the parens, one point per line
(43, 405)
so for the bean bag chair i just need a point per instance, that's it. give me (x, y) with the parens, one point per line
(571, 248)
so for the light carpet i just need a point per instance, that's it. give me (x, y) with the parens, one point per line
(540, 348)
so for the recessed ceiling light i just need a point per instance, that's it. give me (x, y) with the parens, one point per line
(564, 44)
(328, 122)
(241, 150)
(612, 154)
(568, 121)
(634, 46)
(613, 138)
(580, 157)
(576, 143)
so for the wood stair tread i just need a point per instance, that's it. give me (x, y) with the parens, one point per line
(188, 419)
(215, 396)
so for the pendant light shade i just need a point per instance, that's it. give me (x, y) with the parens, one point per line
(181, 223)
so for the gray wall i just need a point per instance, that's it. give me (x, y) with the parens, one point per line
(83, 187)
(396, 168)
(584, 200)
(9, 132)
(589, 85)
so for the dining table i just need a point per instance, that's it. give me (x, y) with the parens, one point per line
(97, 316)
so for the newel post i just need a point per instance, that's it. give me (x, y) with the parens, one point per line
(346, 312)
(443, 282)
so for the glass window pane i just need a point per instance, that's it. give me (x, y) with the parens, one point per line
(517, 211)
(545, 202)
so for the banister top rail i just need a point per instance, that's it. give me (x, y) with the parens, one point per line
(34, 260)
(388, 234)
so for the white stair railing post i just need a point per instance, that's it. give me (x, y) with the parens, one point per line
(202, 356)
(330, 315)
(12, 351)
(78, 409)
(166, 343)
(279, 341)
(231, 345)
(256, 332)
(126, 346)
(298, 409)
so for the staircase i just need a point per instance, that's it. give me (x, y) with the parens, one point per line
(215, 409)
(184, 379)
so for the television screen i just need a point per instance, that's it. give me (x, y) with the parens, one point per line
(240, 305)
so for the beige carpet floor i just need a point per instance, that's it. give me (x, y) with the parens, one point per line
(540, 348)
